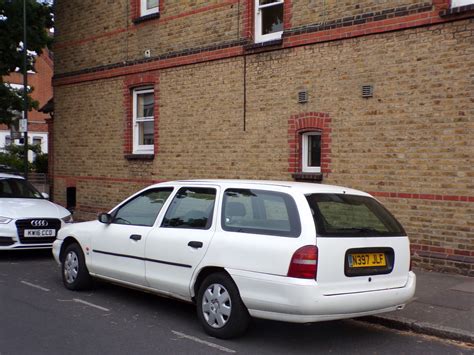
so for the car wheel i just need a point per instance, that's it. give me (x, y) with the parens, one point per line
(74, 270)
(220, 308)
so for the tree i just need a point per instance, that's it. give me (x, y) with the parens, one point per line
(13, 156)
(39, 20)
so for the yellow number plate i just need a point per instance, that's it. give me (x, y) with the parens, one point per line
(367, 260)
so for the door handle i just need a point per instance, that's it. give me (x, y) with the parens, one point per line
(194, 244)
(135, 237)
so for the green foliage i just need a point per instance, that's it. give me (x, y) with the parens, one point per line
(40, 164)
(39, 20)
(14, 156)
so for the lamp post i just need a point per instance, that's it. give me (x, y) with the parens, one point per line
(25, 93)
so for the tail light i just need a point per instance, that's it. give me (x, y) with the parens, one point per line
(304, 263)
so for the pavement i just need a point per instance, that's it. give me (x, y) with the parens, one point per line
(443, 306)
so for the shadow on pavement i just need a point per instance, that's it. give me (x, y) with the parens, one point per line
(25, 255)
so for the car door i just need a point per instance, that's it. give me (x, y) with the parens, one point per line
(177, 246)
(118, 249)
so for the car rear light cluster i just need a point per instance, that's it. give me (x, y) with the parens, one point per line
(304, 263)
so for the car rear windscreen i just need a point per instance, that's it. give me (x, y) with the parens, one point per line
(342, 215)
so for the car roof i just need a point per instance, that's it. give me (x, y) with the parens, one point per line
(10, 176)
(301, 187)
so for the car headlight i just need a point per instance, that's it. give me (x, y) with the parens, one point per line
(5, 220)
(68, 219)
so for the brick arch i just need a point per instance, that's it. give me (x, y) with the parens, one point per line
(307, 122)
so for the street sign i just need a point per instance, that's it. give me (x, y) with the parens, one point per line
(14, 134)
(23, 126)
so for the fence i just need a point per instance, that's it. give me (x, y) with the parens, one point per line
(40, 181)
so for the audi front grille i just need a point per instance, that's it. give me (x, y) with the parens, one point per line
(35, 224)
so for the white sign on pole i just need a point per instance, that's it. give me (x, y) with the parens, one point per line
(23, 126)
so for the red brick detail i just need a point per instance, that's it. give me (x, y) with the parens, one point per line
(89, 39)
(422, 196)
(150, 66)
(71, 181)
(441, 4)
(248, 19)
(388, 25)
(135, 13)
(307, 122)
(442, 253)
(134, 9)
(287, 7)
(105, 178)
(131, 82)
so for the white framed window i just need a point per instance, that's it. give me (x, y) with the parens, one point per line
(143, 121)
(268, 20)
(148, 7)
(459, 3)
(311, 152)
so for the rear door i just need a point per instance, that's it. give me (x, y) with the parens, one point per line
(361, 245)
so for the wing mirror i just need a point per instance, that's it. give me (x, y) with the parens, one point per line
(104, 218)
(45, 195)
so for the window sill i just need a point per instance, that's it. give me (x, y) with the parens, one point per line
(457, 10)
(141, 19)
(308, 177)
(255, 46)
(139, 156)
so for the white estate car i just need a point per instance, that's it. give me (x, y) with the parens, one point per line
(27, 219)
(295, 252)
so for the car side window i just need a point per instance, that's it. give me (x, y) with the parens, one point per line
(192, 207)
(260, 212)
(143, 209)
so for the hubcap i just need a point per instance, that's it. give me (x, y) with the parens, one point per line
(216, 305)
(71, 267)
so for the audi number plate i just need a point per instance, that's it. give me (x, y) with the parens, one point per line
(40, 233)
(367, 260)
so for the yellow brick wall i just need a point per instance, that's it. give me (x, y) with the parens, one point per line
(414, 136)
(306, 12)
(95, 33)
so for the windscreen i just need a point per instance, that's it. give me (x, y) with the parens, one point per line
(341, 215)
(17, 188)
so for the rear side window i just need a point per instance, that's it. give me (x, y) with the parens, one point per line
(342, 215)
(260, 212)
(192, 207)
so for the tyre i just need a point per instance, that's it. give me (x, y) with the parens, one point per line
(75, 274)
(220, 308)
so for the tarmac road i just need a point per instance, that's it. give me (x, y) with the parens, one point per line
(39, 316)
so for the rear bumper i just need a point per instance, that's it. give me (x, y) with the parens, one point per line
(300, 301)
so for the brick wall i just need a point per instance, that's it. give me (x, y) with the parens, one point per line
(112, 37)
(91, 34)
(306, 12)
(410, 144)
